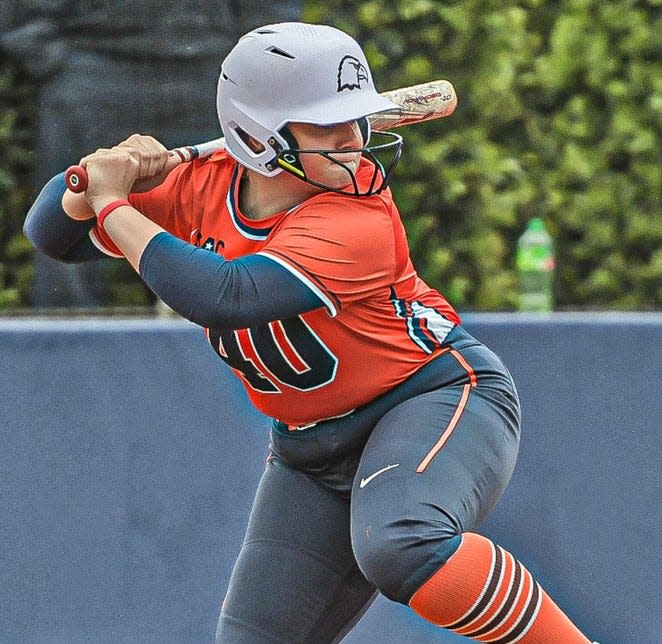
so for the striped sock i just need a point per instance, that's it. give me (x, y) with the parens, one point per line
(485, 594)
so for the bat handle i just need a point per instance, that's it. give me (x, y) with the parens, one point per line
(76, 178)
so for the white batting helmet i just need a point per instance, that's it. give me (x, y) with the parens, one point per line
(292, 72)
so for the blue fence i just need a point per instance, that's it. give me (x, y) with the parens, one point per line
(129, 455)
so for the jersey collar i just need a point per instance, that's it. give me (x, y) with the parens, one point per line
(257, 230)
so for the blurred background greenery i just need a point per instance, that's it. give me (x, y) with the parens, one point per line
(559, 117)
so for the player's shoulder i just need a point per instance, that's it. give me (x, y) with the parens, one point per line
(220, 156)
(218, 162)
(357, 224)
(214, 170)
(378, 203)
(356, 212)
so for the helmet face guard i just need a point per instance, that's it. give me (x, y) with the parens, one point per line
(384, 157)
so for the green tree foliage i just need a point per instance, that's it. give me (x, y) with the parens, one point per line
(15, 169)
(559, 117)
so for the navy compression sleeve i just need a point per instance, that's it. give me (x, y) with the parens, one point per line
(54, 233)
(214, 292)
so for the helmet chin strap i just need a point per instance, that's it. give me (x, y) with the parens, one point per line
(290, 159)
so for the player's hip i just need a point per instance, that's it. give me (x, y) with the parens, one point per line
(330, 450)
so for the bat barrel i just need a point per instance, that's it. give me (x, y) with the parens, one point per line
(416, 104)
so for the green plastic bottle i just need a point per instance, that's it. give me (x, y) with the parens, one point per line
(535, 266)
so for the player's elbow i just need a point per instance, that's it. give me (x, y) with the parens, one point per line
(48, 228)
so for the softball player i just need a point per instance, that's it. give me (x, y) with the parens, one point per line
(395, 431)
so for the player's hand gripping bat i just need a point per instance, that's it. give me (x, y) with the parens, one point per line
(418, 103)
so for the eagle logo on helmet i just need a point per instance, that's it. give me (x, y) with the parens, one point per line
(351, 72)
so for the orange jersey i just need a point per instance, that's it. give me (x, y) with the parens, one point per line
(379, 324)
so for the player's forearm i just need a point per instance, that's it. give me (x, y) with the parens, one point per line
(131, 231)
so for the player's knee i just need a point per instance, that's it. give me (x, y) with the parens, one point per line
(399, 556)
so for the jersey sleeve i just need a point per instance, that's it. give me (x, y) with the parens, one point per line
(172, 205)
(223, 294)
(344, 249)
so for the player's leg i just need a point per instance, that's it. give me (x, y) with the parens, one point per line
(412, 524)
(296, 579)
(494, 598)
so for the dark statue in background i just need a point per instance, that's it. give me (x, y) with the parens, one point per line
(104, 70)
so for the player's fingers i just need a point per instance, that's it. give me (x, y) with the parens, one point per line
(170, 161)
(96, 152)
(99, 153)
(150, 153)
(110, 167)
(143, 141)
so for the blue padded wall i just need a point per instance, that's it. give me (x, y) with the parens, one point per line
(129, 455)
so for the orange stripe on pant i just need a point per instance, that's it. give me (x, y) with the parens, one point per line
(468, 368)
(447, 432)
(473, 382)
(485, 594)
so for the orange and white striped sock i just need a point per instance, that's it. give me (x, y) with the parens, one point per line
(485, 594)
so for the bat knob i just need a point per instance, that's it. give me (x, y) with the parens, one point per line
(76, 178)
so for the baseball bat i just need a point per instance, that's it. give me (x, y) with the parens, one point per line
(416, 104)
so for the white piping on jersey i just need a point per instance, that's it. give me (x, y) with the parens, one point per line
(328, 303)
(229, 201)
(233, 207)
(437, 324)
(426, 326)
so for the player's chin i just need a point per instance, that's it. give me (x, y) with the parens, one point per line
(340, 177)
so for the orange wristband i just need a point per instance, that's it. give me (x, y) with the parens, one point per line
(108, 208)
